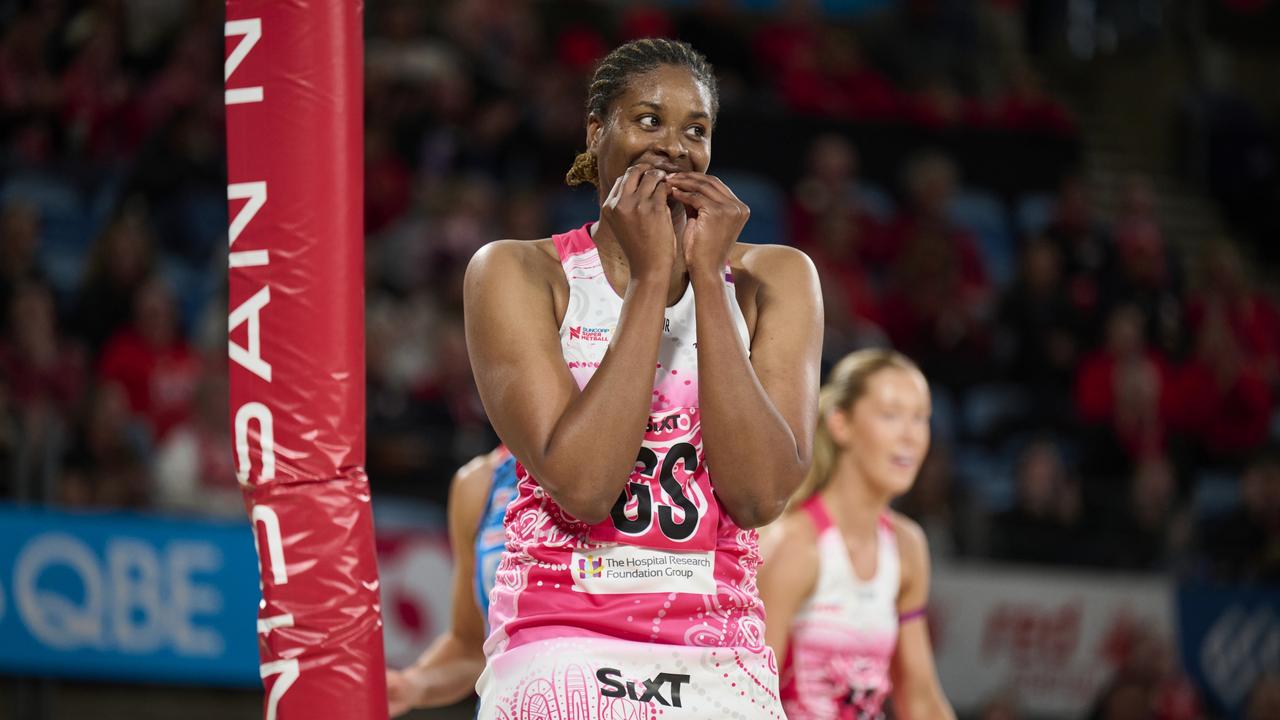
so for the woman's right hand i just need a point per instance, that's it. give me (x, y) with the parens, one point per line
(637, 214)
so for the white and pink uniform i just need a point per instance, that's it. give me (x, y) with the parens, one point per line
(844, 636)
(653, 611)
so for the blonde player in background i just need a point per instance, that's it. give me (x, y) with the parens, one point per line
(845, 579)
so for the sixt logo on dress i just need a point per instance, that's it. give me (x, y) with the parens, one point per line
(589, 334)
(670, 423)
(612, 685)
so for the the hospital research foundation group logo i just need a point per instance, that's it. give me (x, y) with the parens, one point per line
(589, 334)
(590, 567)
(622, 569)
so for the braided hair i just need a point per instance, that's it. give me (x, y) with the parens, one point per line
(618, 68)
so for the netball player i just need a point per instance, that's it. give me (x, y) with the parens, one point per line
(845, 579)
(447, 671)
(658, 383)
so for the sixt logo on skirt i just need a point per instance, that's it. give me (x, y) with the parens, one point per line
(589, 334)
(612, 685)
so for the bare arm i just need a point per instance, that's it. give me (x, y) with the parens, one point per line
(447, 671)
(917, 694)
(581, 446)
(787, 577)
(758, 414)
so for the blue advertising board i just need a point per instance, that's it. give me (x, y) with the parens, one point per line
(119, 596)
(1230, 638)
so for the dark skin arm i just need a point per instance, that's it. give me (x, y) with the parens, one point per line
(580, 445)
(757, 463)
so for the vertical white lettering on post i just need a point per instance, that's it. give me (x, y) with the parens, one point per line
(249, 31)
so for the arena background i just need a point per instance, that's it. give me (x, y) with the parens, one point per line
(1064, 209)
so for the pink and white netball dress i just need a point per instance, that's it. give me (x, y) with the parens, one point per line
(843, 637)
(654, 611)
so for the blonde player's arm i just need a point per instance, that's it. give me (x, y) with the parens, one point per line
(917, 694)
(447, 671)
(787, 576)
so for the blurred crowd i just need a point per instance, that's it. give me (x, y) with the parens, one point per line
(1102, 396)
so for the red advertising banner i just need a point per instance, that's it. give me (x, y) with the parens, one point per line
(1052, 640)
(294, 89)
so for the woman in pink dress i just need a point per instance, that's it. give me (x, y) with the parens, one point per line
(656, 381)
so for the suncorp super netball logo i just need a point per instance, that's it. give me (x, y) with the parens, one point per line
(589, 334)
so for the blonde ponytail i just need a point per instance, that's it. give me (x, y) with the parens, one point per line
(846, 383)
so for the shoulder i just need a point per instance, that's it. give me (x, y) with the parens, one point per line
(789, 549)
(772, 264)
(913, 545)
(508, 258)
(767, 273)
(469, 491)
(792, 536)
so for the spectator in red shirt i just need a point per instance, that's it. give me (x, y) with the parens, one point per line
(1124, 387)
(833, 79)
(388, 181)
(828, 220)
(1147, 272)
(26, 83)
(830, 188)
(930, 180)
(850, 297)
(1222, 402)
(193, 470)
(153, 361)
(780, 40)
(937, 104)
(851, 292)
(1254, 320)
(101, 110)
(44, 370)
(183, 82)
(1148, 682)
(1026, 105)
(939, 303)
(645, 20)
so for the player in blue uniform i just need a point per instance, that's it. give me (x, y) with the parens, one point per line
(447, 671)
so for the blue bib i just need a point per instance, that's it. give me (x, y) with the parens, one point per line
(491, 537)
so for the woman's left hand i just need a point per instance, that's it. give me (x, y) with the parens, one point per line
(715, 217)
